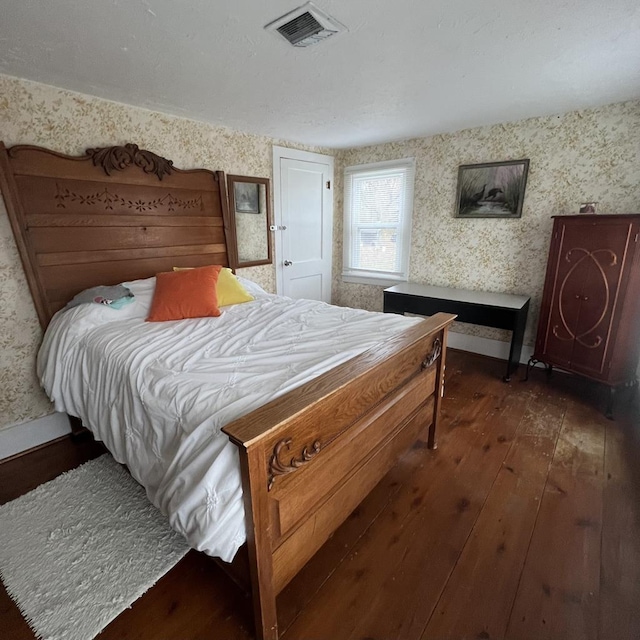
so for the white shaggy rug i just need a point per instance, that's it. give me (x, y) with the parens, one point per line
(77, 551)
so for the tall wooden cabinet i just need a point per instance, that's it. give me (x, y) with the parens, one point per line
(590, 313)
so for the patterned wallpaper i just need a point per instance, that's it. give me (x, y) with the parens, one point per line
(33, 113)
(581, 156)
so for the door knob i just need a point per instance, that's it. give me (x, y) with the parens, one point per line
(287, 263)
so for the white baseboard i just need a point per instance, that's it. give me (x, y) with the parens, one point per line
(21, 437)
(493, 348)
(25, 436)
(485, 346)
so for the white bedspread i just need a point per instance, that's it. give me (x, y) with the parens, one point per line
(158, 394)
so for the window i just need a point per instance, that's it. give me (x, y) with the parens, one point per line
(378, 203)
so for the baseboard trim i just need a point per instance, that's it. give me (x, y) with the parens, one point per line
(20, 438)
(485, 346)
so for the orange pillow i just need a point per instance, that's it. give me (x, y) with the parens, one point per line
(185, 294)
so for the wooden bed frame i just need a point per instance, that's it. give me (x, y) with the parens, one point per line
(309, 457)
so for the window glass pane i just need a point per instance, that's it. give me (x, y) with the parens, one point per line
(378, 207)
(377, 249)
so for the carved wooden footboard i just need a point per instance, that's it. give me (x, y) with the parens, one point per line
(310, 457)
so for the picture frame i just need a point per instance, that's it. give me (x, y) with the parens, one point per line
(491, 189)
(246, 196)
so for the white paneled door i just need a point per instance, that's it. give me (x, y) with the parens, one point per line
(303, 194)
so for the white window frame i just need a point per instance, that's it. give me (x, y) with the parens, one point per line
(382, 278)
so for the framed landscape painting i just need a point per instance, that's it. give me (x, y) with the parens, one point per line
(491, 190)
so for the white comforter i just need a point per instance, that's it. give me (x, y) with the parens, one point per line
(158, 394)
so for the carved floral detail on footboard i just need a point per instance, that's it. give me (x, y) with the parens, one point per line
(433, 355)
(119, 158)
(278, 467)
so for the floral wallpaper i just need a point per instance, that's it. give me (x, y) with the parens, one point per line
(581, 156)
(33, 113)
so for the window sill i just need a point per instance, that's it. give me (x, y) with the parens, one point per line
(379, 281)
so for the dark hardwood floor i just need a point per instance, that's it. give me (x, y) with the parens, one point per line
(524, 524)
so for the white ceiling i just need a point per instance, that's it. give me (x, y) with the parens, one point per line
(405, 68)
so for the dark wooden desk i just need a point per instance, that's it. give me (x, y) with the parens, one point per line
(498, 310)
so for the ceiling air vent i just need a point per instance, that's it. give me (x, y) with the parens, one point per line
(305, 26)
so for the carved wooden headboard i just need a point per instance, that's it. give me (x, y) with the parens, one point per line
(113, 214)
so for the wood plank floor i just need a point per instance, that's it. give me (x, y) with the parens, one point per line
(524, 524)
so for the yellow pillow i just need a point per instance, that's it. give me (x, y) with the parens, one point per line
(228, 289)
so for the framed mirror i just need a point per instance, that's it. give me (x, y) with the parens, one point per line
(249, 218)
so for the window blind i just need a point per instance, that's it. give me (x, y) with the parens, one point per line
(377, 219)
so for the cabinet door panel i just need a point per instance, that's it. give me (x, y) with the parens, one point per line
(601, 259)
(568, 285)
(588, 270)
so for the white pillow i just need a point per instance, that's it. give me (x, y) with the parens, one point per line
(254, 289)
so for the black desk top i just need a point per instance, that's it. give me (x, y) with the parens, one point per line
(484, 298)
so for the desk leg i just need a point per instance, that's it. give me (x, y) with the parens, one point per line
(516, 342)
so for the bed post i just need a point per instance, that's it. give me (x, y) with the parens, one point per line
(254, 484)
(431, 441)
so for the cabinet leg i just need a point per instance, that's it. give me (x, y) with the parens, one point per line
(632, 393)
(532, 363)
(610, 403)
